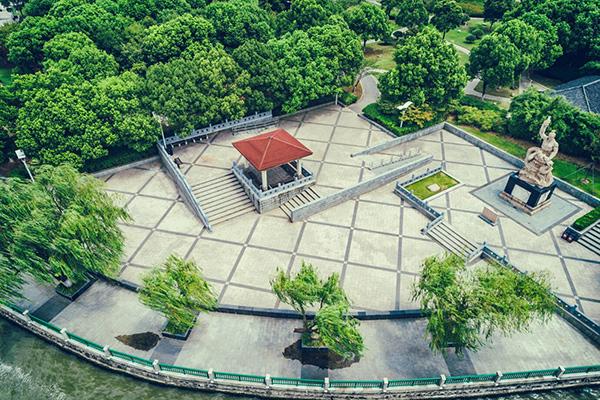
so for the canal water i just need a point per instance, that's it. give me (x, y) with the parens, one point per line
(31, 369)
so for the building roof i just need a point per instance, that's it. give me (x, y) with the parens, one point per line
(271, 149)
(583, 93)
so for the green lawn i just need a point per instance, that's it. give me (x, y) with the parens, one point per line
(419, 188)
(5, 76)
(567, 170)
(380, 56)
(463, 58)
(458, 35)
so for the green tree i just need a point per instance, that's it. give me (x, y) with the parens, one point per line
(204, 86)
(63, 226)
(169, 40)
(304, 14)
(525, 38)
(338, 331)
(427, 71)
(179, 292)
(548, 35)
(465, 308)
(576, 131)
(368, 21)
(389, 5)
(26, 43)
(494, 60)
(494, 10)
(331, 326)
(447, 14)
(237, 21)
(412, 14)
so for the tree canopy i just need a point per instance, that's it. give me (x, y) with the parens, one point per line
(447, 14)
(494, 60)
(427, 72)
(62, 226)
(368, 21)
(178, 291)
(466, 307)
(412, 14)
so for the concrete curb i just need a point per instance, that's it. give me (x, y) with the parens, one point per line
(123, 167)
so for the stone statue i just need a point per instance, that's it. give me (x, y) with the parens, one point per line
(538, 161)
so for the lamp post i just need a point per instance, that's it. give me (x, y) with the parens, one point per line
(161, 120)
(402, 108)
(21, 156)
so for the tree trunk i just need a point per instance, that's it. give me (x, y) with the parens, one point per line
(364, 44)
(444, 35)
(483, 91)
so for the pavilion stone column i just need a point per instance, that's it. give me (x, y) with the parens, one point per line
(299, 168)
(263, 178)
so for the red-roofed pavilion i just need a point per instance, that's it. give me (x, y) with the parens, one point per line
(272, 149)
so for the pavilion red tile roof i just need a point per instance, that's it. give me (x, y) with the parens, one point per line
(271, 149)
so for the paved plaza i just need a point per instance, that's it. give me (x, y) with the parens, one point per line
(374, 241)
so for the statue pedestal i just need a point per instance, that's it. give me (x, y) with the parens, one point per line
(526, 196)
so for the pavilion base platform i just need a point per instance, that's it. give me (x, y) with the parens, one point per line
(284, 184)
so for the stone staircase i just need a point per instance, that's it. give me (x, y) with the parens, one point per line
(591, 239)
(453, 241)
(222, 198)
(306, 196)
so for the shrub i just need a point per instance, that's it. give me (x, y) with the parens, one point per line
(391, 121)
(347, 98)
(470, 39)
(486, 120)
(578, 132)
(117, 157)
(418, 116)
(587, 220)
(481, 104)
(474, 8)
(477, 31)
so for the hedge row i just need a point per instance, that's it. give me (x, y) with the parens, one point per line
(587, 220)
(391, 122)
(117, 157)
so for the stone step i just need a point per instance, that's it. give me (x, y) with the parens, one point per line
(442, 240)
(211, 191)
(215, 183)
(458, 240)
(594, 247)
(306, 196)
(213, 180)
(228, 209)
(232, 215)
(206, 198)
(214, 207)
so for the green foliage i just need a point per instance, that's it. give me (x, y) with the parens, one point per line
(368, 21)
(587, 220)
(525, 38)
(412, 14)
(164, 42)
(427, 71)
(204, 86)
(237, 21)
(494, 60)
(548, 35)
(332, 326)
(348, 98)
(494, 10)
(473, 8)
(25, 43)
(576, 131)
(420, 187)
(486, 120)
(303, 14)
(466, 307)
(447, 14)
(391, 121)
(418, 116)
(63, 226)
(338, 331)
(179, 292)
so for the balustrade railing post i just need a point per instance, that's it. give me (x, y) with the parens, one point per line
(27, 316)
(155, 366)
(385, 385)
(211, 375)
(268, 381)
(64, 333)
(326, 384)
(106, 351)
(498, 377)
(442, 381)
(559, 372)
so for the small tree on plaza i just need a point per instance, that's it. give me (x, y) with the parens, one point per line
(332, 327)
(179, 292)
(59, 228)
(465, 308)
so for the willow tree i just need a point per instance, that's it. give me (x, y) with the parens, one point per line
(465, 308)
(179, 292)
(62, 227)
(331, 327)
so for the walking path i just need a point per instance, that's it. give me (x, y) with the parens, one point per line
(370, 93)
